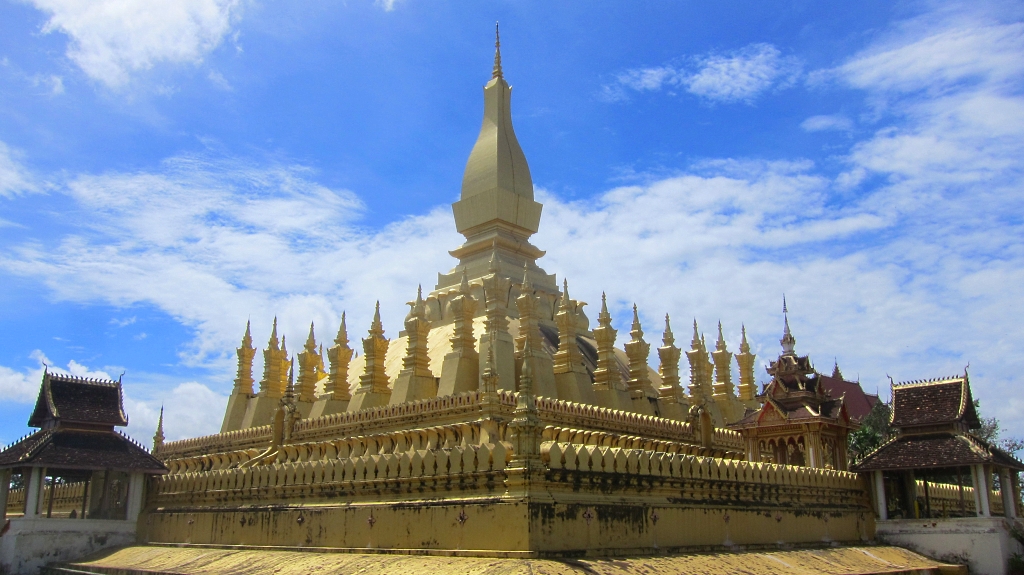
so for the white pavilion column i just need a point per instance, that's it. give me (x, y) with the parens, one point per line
(883, 510)
(1006, 487)
(33, 489)
(136, 486)
(981, 490)
(5, 485)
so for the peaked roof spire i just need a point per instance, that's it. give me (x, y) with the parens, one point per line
(720, 344)
(496, 72)
(668, 338)
(311, 340)
(158, 437)
(376, 328)
(274, 344)
(637, 332)
(836, 373)
(342, 337)
(788, 341)
(604, 318)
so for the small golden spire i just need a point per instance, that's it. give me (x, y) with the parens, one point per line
(636, 332)
(342, 337)
(274, 344)
(158, 437)
(311, 340)
(496, 73)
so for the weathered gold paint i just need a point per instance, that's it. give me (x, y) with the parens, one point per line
(833, 561)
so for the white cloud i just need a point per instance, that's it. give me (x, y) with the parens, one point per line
(111, 39)
(254, 241)
(741, 75)
(123, 322)
(18, 386)
(53, 83)
(387, 5)
(190, 409)
(737, 76)
(23, 386)
(823, 123)
(14, 178)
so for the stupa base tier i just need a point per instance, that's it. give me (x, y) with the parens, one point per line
(556, 515)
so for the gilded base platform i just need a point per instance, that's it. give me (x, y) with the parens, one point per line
(150, 560)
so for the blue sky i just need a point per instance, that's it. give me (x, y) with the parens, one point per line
(172, 168)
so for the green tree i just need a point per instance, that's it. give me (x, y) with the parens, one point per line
(874, 431)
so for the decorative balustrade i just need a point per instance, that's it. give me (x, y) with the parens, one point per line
(594, 458)
(279, 480)
(226, 450)
(946, 499)
(606, 439)
(16, 501)
(67, 497)
(206, 444)
(455, 452)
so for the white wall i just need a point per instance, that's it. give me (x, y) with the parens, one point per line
(983, 542)
(32, 543)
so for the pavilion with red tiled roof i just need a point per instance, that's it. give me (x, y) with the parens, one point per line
(802, 419)
(75, 467)
(934, 448)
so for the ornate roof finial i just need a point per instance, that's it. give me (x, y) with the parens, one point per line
(720, 344)
(464, 286)
(565, 294)
(342, 337)
(311, 340)
(274, 344)
(526, 276)
(836, 373)
(637, 332)
(376, 328)
(604, 318)
(696, 335)
(668, 338)
(496, 72)
(744, 346)
(289, 392)
(788, 341)
(247, 338)
(158, 437)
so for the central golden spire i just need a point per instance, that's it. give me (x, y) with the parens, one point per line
(496, 211)
(496, 73)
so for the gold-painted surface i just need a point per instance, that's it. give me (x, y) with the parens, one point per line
(838, 560)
